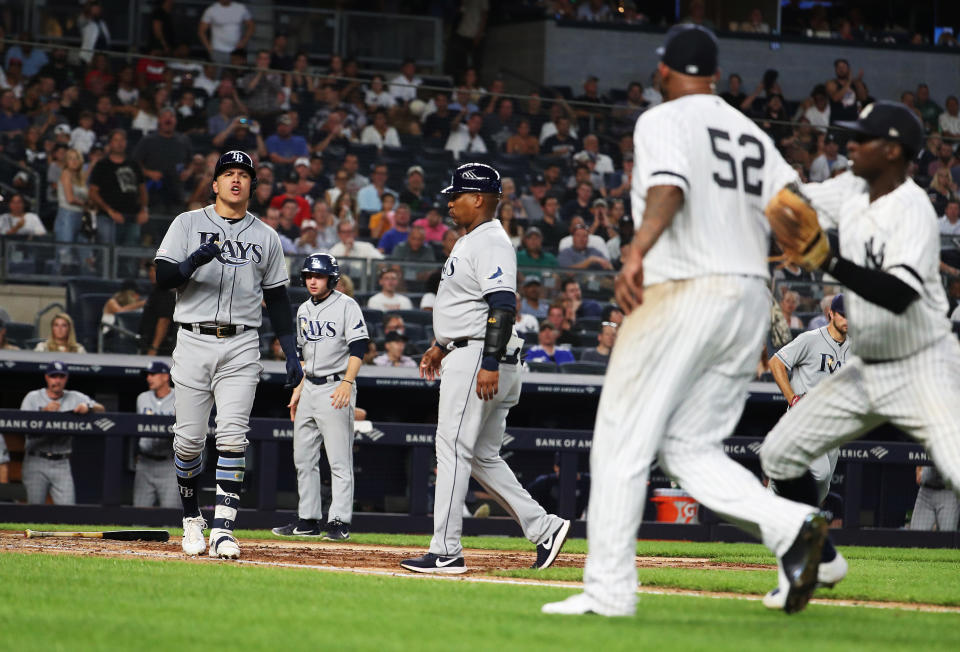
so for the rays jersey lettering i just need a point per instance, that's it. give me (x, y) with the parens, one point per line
(325, 331)
(898, 234)
(228, 289)
(234, 252)
(812, 356)
(482, 261)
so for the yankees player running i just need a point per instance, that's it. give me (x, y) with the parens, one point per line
(223, 262)
(696, 319)
(153, 482)
(333, 337)
(905, 363)
(476, 357)
(812, 356)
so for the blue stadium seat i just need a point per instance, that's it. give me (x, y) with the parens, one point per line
(18, 332)
(411, 142)
(542, 367)
(80, 286)
(372, 316)
(422, 317)
(593, 368)
(86, 317)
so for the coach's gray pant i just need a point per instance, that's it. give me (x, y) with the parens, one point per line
(317, 424)
(469, 436)
(41, 475)
(935, 508)
(155, 484)
(208, 369)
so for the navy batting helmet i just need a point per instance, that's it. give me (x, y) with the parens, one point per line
(474, 177)
(236, 159)
(321, 264)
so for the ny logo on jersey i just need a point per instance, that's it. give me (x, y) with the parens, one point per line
(314, 330)
(828, 364)
(874, 259)
(234, 252)
(449, 267)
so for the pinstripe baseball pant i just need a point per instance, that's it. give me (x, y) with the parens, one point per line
(919, 394)
(41, 475)
(676, 385)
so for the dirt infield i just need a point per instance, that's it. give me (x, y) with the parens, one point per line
(385, 560)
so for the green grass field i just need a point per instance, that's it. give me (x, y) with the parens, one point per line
(70, 602)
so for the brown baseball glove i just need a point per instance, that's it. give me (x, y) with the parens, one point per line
(796, 228)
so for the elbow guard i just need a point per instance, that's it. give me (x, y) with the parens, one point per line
(499, 331)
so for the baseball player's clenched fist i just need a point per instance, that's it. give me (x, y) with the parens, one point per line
(204, 254)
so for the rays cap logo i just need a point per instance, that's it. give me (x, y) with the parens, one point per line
(690, 50)
(236, 159)
(474, 177)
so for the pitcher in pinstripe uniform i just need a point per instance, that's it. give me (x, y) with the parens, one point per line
(904, 366)
(694, 285)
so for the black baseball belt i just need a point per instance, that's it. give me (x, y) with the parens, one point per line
(220, 330)
(512, 358)
(323, 380)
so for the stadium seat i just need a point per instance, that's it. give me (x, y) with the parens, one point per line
(421, 317)
(117, 342)
(78, 287)
(593, 368)
(297, 293)
(86, 317)
(542, 367)
(585, 324)
(18, 332)
(372, 316)
(411, 142)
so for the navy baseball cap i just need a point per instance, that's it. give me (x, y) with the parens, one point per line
(235, 159)
(690, 50)
(56, 368)
(474, 177)
(837, 305)
(890, 121)
(157, 367)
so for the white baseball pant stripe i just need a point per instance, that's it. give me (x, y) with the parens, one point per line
(676, 385)
(469, 437)
(938, 508)
(41, 475)
(155, 484)
(317, 424)
(208, 369)
(919, 394)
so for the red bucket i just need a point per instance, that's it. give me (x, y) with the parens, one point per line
(675, 506)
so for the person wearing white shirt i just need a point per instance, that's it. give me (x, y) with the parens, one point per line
(466, 137)
(83, 137)
(350, 247)
(380, 133)
(603, 164)
(593, 241)
(377, 96)
(230, 26)
(949, 120)
(207, 80)
(95, 34)
(829, 163)
(818, 113)
(403, 87)
(388, 299)
(949, 223)
(18, 221)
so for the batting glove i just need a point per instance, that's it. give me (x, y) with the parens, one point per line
(204, 254)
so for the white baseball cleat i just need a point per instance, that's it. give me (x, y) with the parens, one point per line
(223, 544)
(578, 605)
(193, 542)
(829, 573)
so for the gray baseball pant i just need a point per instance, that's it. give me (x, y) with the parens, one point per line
(935, 507)
(41, 475)
(154, 484)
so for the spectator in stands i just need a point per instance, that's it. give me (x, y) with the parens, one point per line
(531, 253)
(226, 113)
(380, 133)
(157, 328)
(355, 180)
(230, 26)
(164, 156)
(63, 337)
(533, 303)
(942, 189)
(602, 163)
(244, 134)
(376, 95)
(945, 159)
(594, 240)
(697, 15)
(309, 242)
(350, 247)
(466, 137)
(595, 11)
(533, 198)
(287, 224)
(929, 110)
(388, 298)
(117, 188)
(432, 224)
(557, 315)
(399, 232)
(127, 299)
(605, 341)
(436, 123)
(788, 305)
(345, 208)
(104, 118)
(414, 249)
(580, 255)
(326, 224)
(403, 87)
(82, 136)
(579, 205)
(382, 221)
(264, 92)
(550, 225)
(272, 219)
(755, 24)
(394, 357)
(5, 345)
(830, 163)
(507, 217)
(949, 223)
(564, 142)
(846, 93)
(95, 35)
(816, 108)
(734, 95)
(450, 238)
(285, 147)
(499, 126)
(578, 305)
(369, 197)
(46, 461)
(949, 120)
(546, 349)
(17, 221)
(12, 123)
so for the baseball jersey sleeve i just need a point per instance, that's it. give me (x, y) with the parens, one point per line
(661, 142)
(496, 266)
(32, 402)
(142, 403)
(173, 247)
(793, 352)
(275, 274)
(355, 327)
(829, 196)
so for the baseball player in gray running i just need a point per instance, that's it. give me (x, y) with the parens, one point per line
(936, 507)
(224, 262)
(153, 483)
(694, 289)
(476, 356)
(811, 357)
(332, 338)
(46, 464)
(904, 366)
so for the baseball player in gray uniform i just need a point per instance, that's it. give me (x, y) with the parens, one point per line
(694, 287)
(904, 366)
(936, 507)
(46, 463)
(811, 357)
(477, 358)
(332, 338)
(223, 262)
(153, 484)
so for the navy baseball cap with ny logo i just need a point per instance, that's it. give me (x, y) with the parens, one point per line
(474, 177)
(690, 49)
